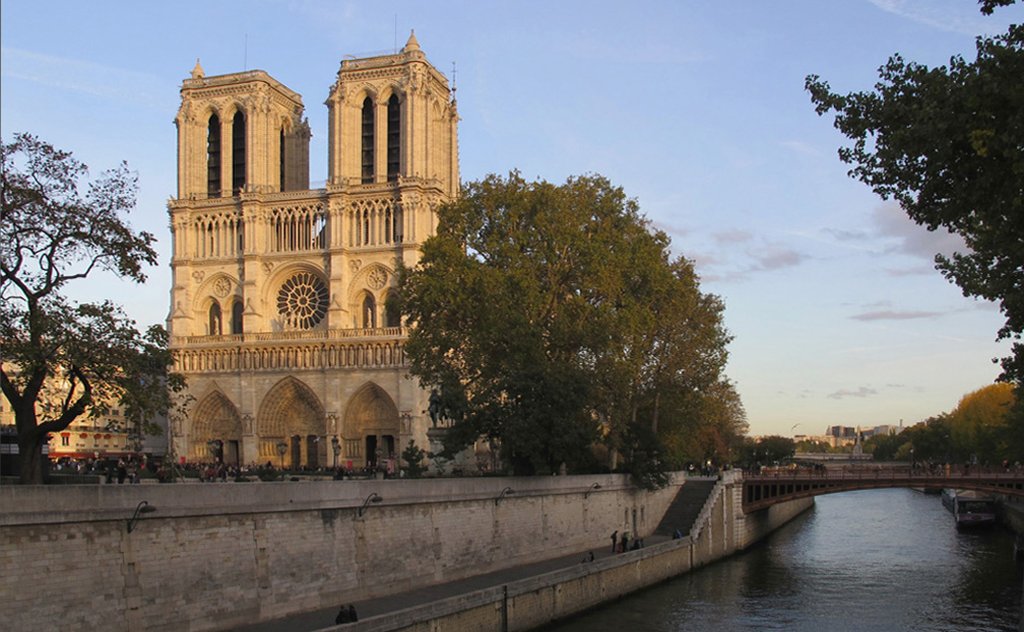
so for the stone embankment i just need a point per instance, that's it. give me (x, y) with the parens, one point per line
(218, 556)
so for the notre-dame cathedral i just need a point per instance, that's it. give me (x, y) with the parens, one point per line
(282, 313)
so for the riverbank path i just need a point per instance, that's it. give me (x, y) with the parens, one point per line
(324, 617)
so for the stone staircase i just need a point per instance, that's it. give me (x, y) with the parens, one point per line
(685, 507)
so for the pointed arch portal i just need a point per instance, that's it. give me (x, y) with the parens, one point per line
(292, 414)
(371, 427)
(216, 430)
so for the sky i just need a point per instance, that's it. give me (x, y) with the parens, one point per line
(697, 109)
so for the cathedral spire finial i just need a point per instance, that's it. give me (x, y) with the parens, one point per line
(197, 72)
(411, 44)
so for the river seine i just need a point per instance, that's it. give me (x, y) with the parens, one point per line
(870, 560)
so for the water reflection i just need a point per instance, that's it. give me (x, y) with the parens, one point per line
(868, 560)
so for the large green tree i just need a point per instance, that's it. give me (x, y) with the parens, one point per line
(948, 144)
(550, 317)
(62, 359)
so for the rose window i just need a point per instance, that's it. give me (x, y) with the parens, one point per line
(302, 301)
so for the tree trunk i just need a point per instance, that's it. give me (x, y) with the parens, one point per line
(30, 453)
(654, 417)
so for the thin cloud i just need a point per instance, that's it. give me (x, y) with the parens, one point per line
(895, 315)
(801, 147)
(75, 75)
(776, 259)
(892, 223)
(890, 231)
(944, 15)
(861, 392)
(911, 271)
(734, 236)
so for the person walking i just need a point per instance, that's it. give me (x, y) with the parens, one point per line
(615, 539)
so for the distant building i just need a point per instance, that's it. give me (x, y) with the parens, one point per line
(110, 435)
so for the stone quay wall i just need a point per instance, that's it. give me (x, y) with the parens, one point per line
(721, 530)
(213, 556)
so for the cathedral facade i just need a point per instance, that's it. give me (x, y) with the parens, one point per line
(282, 307)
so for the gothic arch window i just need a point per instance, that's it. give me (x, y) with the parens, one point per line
(394, 137)
(302, 301)
(367, 141)
(238, 153)
(213, 157)
(392, 315)
(369, 312)
(236, 317)
(215, 319)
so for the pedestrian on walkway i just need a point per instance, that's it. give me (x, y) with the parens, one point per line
(625, 541)
(342, 616)
(615, 539)
(352, 616)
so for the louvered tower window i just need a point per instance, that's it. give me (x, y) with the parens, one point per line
(281, 161)
(213, 157)
(238, 153)
(367, 146)
(394, 137)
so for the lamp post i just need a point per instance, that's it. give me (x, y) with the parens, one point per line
(374, 497)
(282, 447)
(508, 491)
(336, 447)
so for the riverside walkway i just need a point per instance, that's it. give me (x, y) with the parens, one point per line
(324, 617)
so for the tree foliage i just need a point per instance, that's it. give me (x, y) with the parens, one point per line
(978, 426)
(948, 144)
(62, 359)
(550, 317)
(770, 450)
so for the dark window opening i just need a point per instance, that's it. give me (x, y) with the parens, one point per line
(394, 137)
(238, 153)
(392, 314)
(367, 145)
(213, 157)
(236, 317)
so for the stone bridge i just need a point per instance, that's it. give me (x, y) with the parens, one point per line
(767, 488)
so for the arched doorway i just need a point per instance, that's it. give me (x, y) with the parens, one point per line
(291, 414)
(370, 432)
(216, 432)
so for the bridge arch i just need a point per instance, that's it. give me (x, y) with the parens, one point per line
(764, 490)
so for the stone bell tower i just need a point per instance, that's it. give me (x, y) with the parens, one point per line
(283, 317)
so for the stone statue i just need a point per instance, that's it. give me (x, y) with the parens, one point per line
(434, 408)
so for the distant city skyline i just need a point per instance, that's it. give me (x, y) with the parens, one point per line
(696, 109)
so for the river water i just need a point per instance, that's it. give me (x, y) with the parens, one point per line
(871, 560)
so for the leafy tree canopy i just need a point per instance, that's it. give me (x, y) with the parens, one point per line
(948, 144)
(550, 317)
(62, 359)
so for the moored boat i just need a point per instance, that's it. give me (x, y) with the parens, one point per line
(969, 508)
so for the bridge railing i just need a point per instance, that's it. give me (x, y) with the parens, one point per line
(863, 471)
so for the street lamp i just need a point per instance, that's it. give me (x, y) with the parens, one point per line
(508, 491)
(336, 447)
(594, 487)
(282, 447)
(141, 508)
(372, 498)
